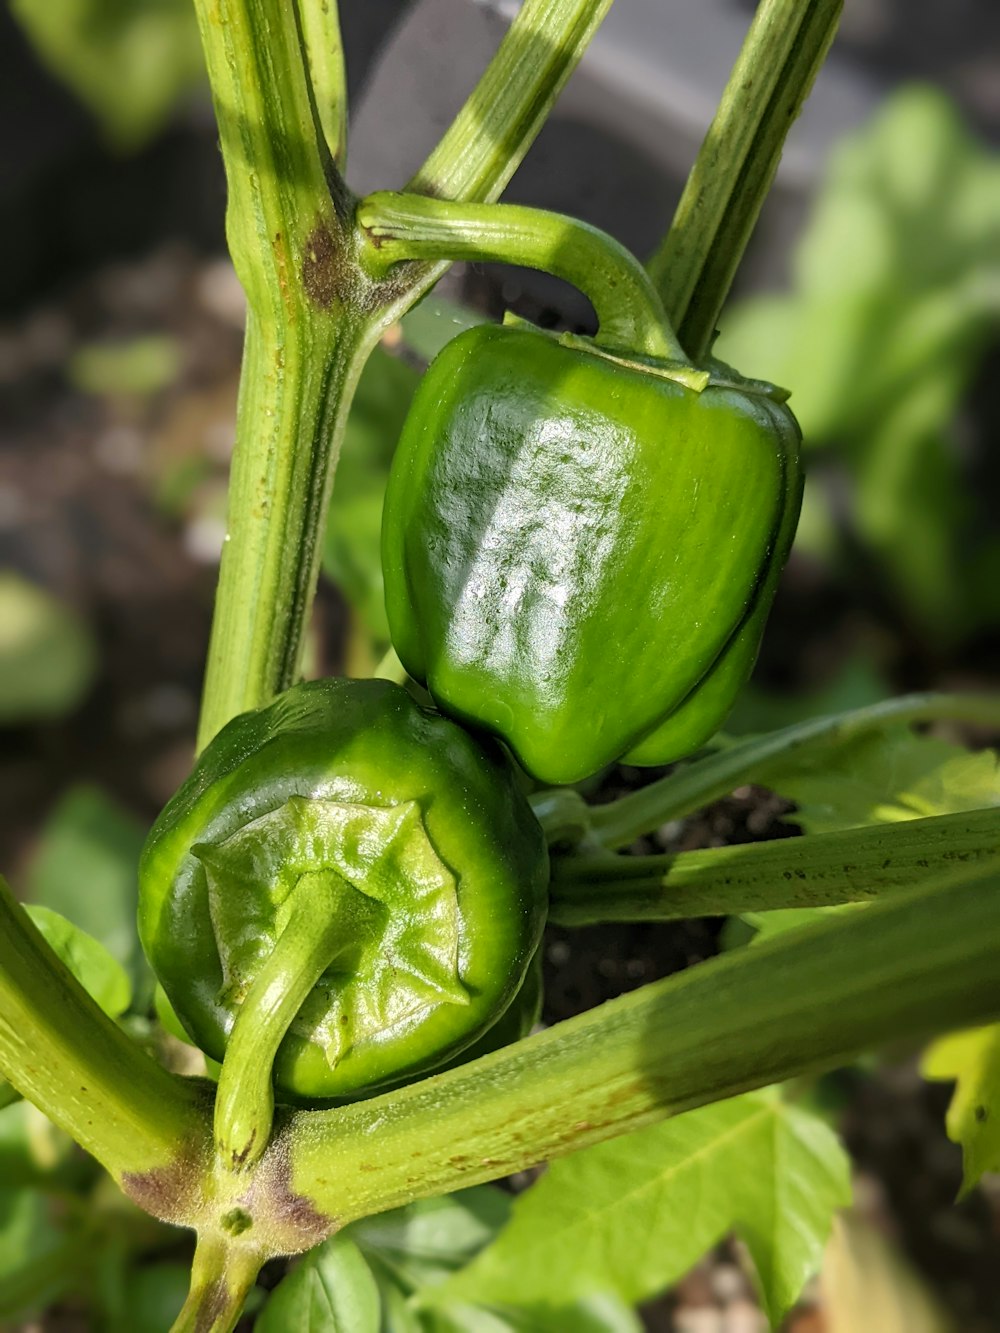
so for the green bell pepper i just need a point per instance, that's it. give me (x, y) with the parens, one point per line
(364, 860)
(580, 549)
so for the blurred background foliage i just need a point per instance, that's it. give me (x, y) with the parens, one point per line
(873, 292)
(129, 61)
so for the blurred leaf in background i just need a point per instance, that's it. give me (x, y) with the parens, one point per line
(47, 654)
(972, 1060)
(129, 61)
(133, 368)
(101, 976)
(895, 299)
(85, 867)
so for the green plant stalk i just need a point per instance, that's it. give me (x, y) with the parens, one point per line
(62, 1053)
(822, 870)
(324, 47)
(287, 222)
(799, 1003)
(222, 1276)
(695, 265)
(244, 1105)
(484, 145)
(313, 316)
(759, 757)
(403, 227)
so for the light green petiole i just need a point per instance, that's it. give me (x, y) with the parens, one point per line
(313, 932)
(629, 312)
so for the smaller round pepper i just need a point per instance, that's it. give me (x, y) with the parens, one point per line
(358, 861)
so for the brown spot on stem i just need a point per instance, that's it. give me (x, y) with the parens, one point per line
(212, 1307)
(291, 1221)
(321, 267)
(166, 1192)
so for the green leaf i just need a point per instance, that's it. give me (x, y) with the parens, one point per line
(38, 1261)
(426, 1241)
(883, 777)
(135, 368)
(331, 1290)
(896, 270)
(153, 1296)
(631, 1216)
(100, 975)
(880, 777)
(47, 654)
(352, 549)
(86, 868)
(128, 60)
(595, 1314)
(972, 1059)
(896, 297)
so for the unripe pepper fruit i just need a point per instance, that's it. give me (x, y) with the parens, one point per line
(403, 837)
(580, 550)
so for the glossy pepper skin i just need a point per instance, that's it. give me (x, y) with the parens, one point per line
(579, 552)
(441, 865)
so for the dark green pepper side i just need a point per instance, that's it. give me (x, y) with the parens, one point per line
(412, 834)
(580, 551)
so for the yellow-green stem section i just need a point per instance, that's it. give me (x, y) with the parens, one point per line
(67, 1057)
(803, 1002)
(822, 870)
(483, 146)
(629, 312)
(222, 1276)
(313, 315)
(694, 267)
(244, 1107)
(759, 759)
(288, 223)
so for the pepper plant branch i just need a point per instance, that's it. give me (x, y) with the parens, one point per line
(287, 220)
(629, 312)
(67, 1057)
(223, 1273)
(821, 870)
(291, 237)
(320, 22)
(803, 1002)
(756, 759)
(486, 142)
(694, 267)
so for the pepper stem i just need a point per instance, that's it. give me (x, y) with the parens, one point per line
(313, 933)
(222, 1277)
(630, 314)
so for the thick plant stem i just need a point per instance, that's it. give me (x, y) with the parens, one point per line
(758, 758)
(313, 315)
(222, 1276)
(60, 1051)
(802, 1002)
(294, 399)
(324, 48)
(484, 145)
(288, 220)
(629, 313)
(695, 265)
(822, 870)
(244, 1107)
